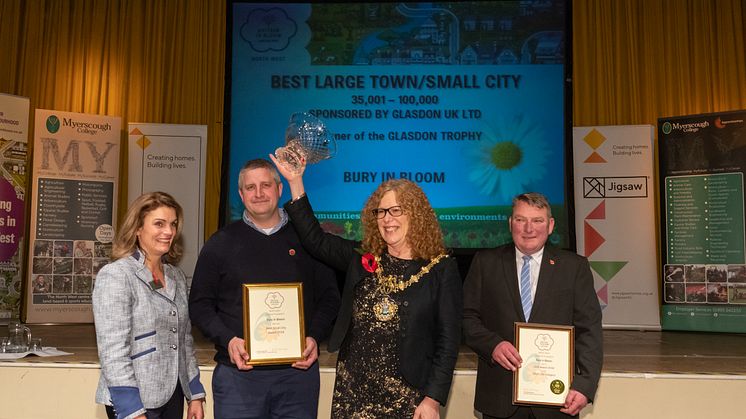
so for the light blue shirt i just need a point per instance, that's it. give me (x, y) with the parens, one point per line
(268, 231)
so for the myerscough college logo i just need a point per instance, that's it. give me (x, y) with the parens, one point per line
(666, 127)
(53, 124)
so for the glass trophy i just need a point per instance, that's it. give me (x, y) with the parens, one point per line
(306, 140)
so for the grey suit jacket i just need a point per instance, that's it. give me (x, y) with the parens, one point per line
(144, 337)
(565, 295)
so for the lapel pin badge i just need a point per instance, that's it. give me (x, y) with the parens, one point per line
(291, 252)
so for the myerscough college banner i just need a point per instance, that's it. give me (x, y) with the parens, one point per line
(14, 116)
(702, 163)
(615, 220)
(72, 218)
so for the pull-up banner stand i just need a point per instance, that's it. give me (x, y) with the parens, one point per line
(73, 212)
(14, 116)
(171, 158)
(702, 163)
(615, 221)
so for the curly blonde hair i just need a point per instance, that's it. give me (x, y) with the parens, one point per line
(125, 242)
(424, 235)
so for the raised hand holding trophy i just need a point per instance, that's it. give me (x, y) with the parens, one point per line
(307, 141)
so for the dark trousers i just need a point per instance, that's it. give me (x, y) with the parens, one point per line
(525, 412)
(286, 393)
(173, 409)
(522, 413)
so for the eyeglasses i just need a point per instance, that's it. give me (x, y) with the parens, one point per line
(396, 211)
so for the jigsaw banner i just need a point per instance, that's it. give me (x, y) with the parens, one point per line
(171, 158)
(615, 220)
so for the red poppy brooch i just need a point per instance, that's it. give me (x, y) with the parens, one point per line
(369, 262)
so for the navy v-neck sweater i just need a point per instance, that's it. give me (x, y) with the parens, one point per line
(239, 254)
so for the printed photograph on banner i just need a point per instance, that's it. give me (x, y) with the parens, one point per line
(717, 273)
(696, 293)
(674, 293)
(717, 292)
(694, 273)
(736, 273)
(674, 273)
(737, 293)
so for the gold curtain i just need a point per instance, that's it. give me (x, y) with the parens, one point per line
(637, 60)
(164, 61)
(146, 61)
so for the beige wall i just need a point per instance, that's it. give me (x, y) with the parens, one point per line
(43, 391)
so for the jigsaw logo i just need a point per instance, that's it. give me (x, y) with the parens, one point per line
(615, 187)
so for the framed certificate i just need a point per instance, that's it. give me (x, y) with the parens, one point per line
(546, 374)
(273, 325)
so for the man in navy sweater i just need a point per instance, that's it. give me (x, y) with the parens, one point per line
(263, 247)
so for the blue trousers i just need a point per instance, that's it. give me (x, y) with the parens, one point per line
(287, 393)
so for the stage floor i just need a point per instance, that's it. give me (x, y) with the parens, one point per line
(646, 352)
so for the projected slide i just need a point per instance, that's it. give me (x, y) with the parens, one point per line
(466, 99)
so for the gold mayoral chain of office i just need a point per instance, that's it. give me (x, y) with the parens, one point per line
(386, 308)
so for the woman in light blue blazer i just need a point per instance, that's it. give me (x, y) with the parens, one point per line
(145, 346)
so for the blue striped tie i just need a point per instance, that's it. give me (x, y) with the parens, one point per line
(526, 286)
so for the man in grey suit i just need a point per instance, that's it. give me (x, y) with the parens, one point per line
(557, 289)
